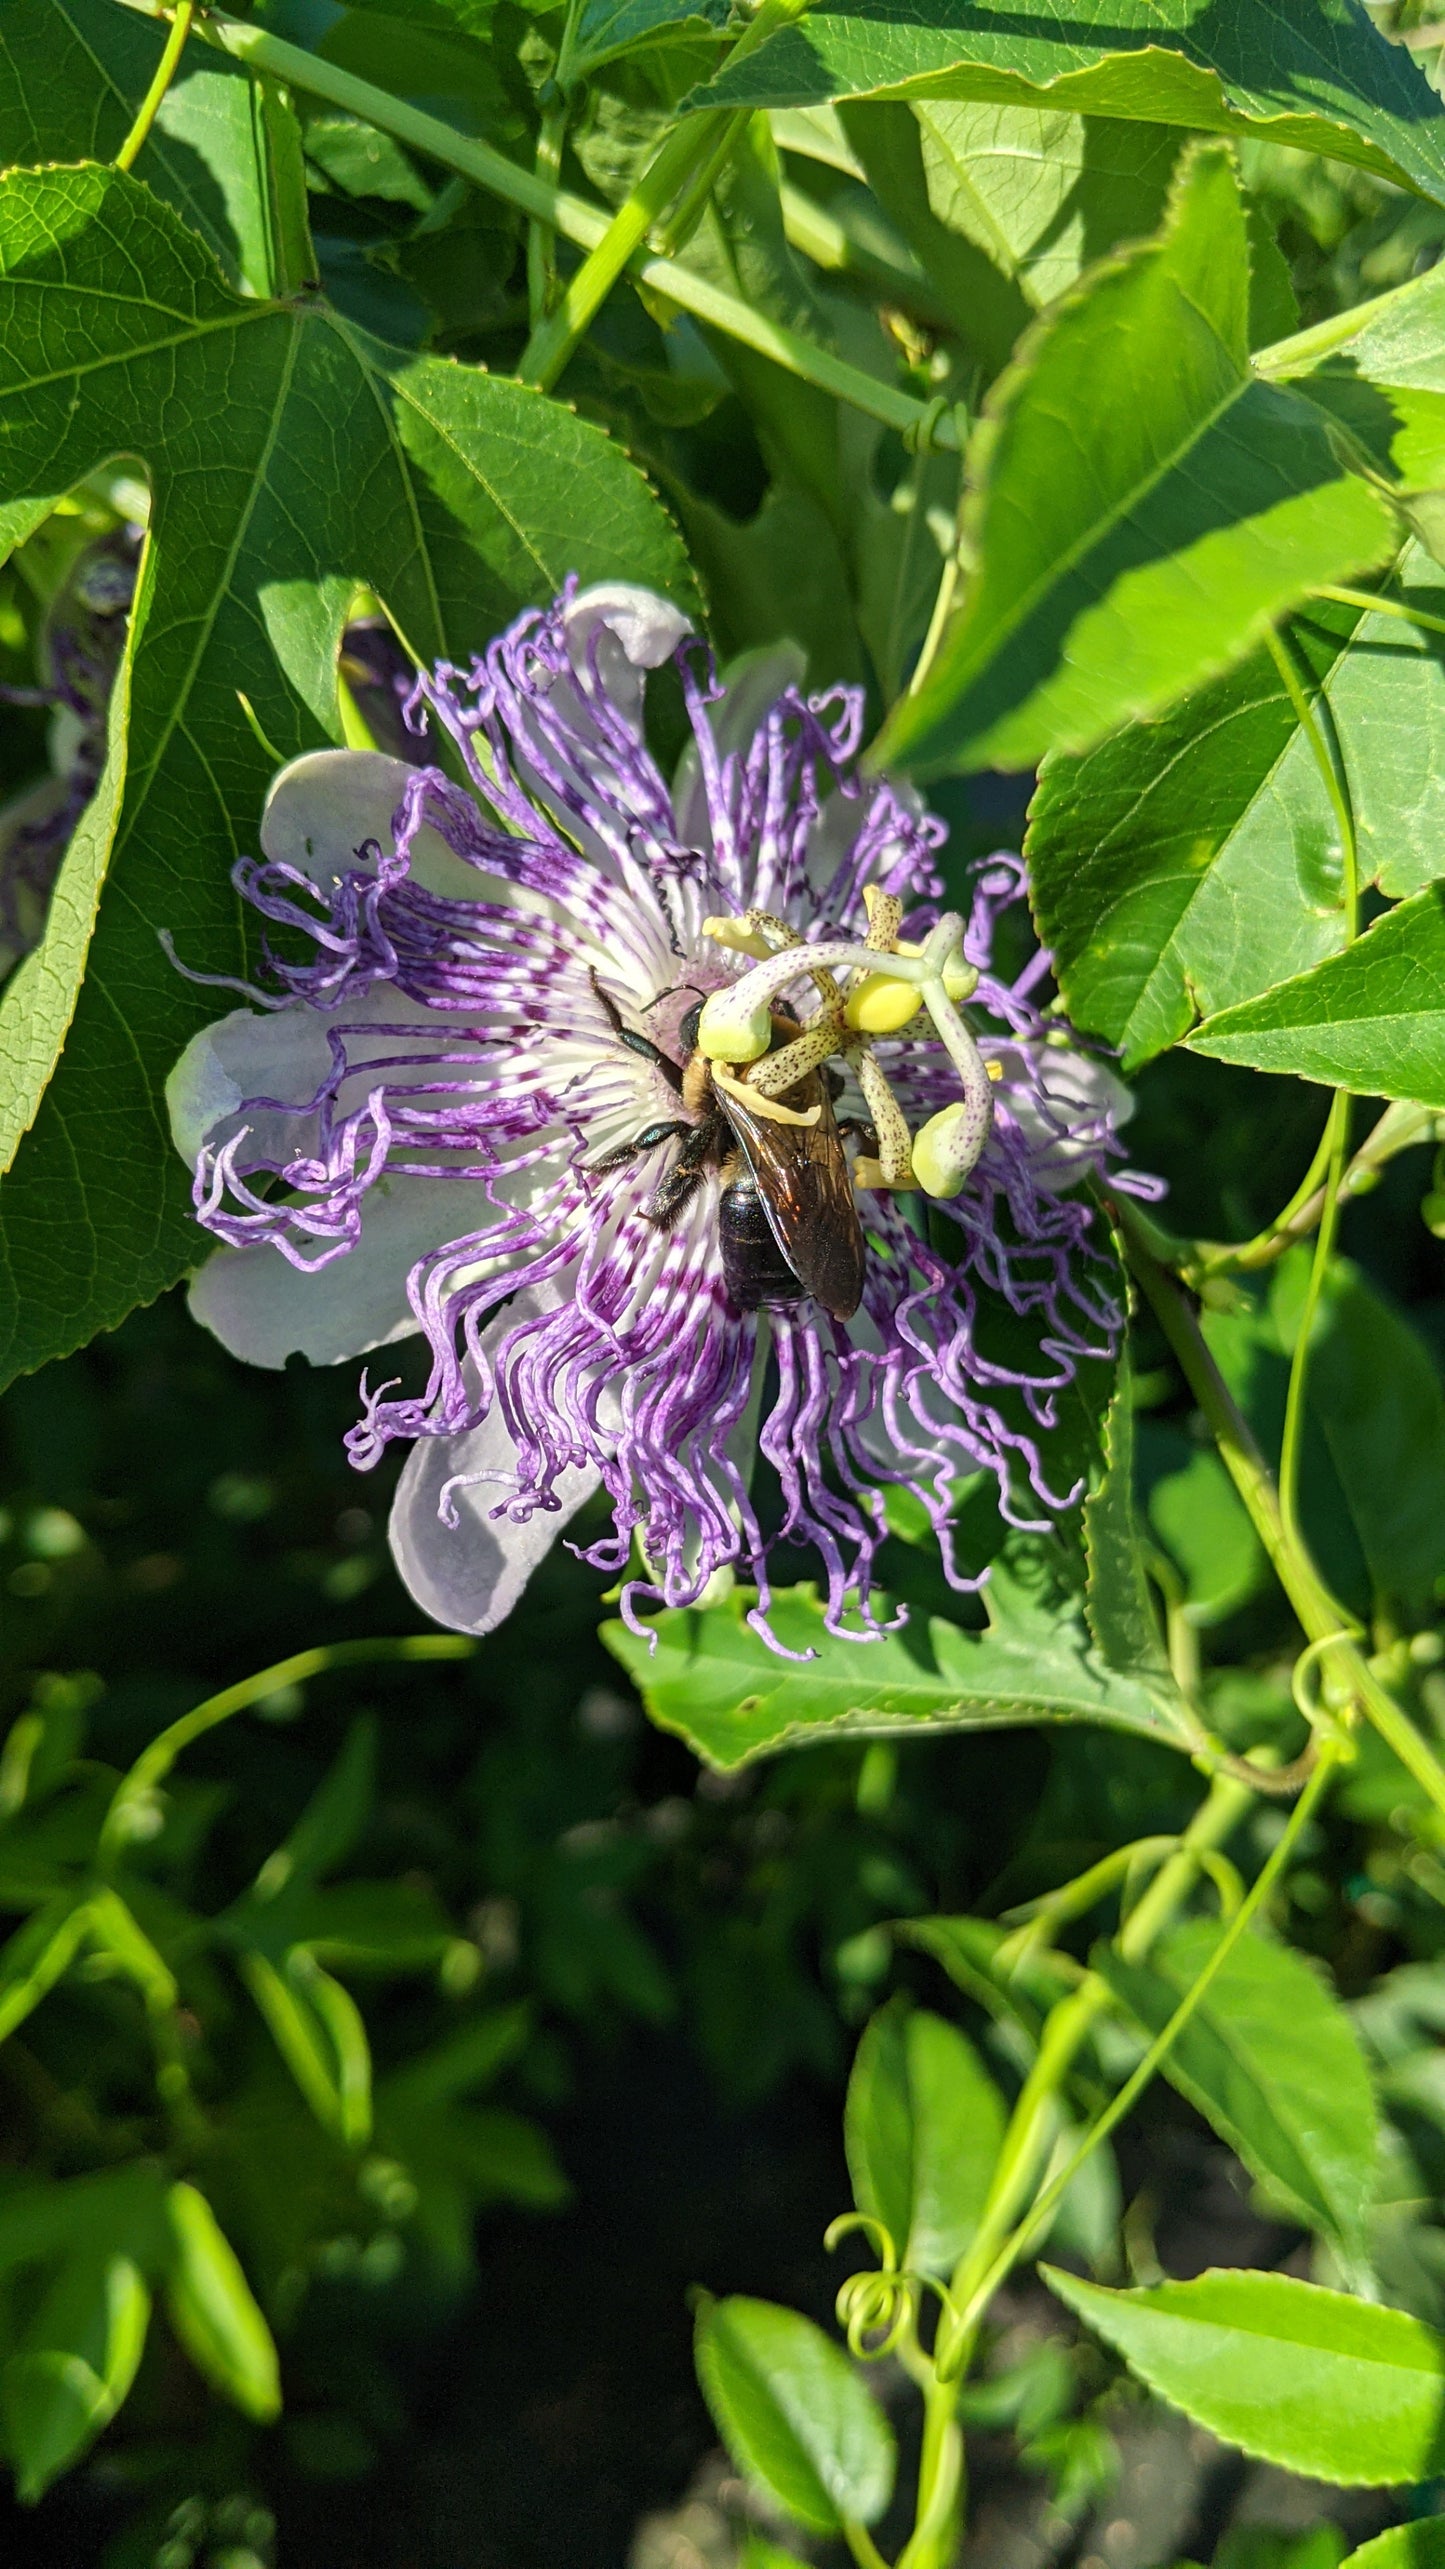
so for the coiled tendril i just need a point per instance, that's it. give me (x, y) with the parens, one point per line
(880, 2306)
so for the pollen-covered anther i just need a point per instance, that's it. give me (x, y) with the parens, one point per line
(871, 1176)
(881, 1004)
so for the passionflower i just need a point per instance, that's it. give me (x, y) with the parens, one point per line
(678, 1119)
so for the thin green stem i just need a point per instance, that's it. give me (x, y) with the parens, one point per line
(1041, 2212)
(691, 206)
(938, 622)
(573, 218)
(1384, 606)
(1402, 1127)
(542, 236)
(862, 2545)
(157, 1760)
(688, 149)
(1324, 1621)
(1294, 1407)
(165, 72)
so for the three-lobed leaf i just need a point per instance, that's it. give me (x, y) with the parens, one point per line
(1336, 2389)
(1127, 550)
(290, 459)
(794, 2413)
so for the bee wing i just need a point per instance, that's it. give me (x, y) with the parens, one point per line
(801, 1174)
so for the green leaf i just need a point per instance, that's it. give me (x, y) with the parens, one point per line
(214, 2312)
(1420, 2545)
(1042, 194)
(1371, 1019)
(606, 28)
(1118, 1602)
(1313, 74)
(1200, 1520)
(74, 2366)
(332, 1821)
(797, 2418)
(922, 2125)
(1127, 551)
(38, 1953)
(1384, 380)
(1375, 1391)
(455, 495)
(717, 1684)
(72, 75)
(1016, 1993)
(320, 2034)
(1188, 864)
(1337, 2389)
(1271, 2060)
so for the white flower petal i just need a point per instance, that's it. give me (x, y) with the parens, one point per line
(324, 807)
(1080, 1096)
(280, 1053)
(470, 1575)
(638, 630)
(263, 1309)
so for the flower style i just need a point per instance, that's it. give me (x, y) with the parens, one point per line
(480, 1106)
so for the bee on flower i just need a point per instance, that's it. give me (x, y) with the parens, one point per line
(678, 1119)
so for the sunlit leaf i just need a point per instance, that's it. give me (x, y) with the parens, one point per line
(1337, 2389)
(1126, 551)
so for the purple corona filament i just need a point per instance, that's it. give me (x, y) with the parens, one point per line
(424, 1127)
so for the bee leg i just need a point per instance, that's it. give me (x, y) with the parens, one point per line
(645, 1141)
(640, 1044)
(685, 1175)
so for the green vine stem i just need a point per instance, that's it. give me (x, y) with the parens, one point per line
(155, 1761)
(584, 224)
(1030, 2138)
(1402, 1127)
(165, 72)
(1326, 1625)
(689, 149)
(1337, 1133)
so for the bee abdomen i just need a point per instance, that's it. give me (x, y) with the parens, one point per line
(755, 1270)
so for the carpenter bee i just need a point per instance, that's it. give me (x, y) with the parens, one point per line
(787, 1222)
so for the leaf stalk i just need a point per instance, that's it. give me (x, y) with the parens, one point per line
(165, 72)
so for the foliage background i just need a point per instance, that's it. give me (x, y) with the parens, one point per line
(612, 1998)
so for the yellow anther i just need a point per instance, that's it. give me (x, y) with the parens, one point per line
(738, 937)
(994, 1069)
(881, 1004)
(871, 1174)
(757, 1104)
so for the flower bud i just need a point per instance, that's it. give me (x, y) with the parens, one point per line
(882, 1004)
(728, 1032)
(946, 1147)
